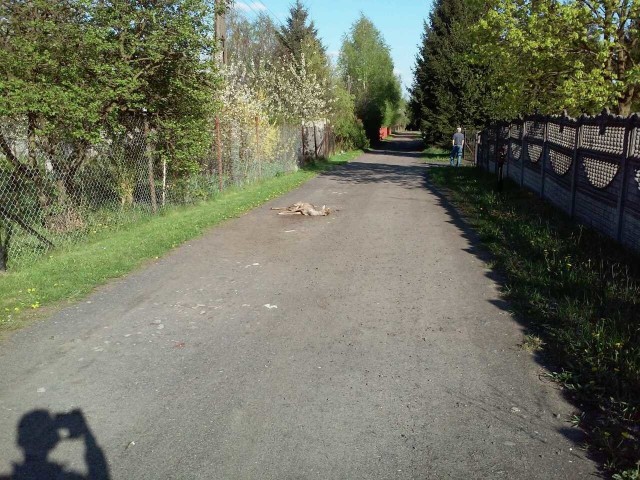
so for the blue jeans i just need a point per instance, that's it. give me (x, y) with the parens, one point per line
(456, 154)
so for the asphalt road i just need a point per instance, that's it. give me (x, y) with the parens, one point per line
(369, 344)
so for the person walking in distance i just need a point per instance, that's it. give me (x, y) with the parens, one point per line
(455, 159)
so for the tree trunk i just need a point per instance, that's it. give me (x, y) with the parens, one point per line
(31, 140)
(626, 101)
(5, 238)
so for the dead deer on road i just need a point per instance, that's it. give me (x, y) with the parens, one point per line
(303, 208)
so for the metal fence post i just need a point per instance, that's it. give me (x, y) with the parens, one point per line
(315, 141)
(303, 143)
(148, 153)
(576, 158)
(523, 150)
(258, 147)
(475, 149)
(509, 148)
(545, 153)
(219, 149)
(497, 147)
(164, 181)
(325, 141)
(629, 137)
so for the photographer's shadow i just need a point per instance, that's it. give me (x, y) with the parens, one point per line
(39, 432)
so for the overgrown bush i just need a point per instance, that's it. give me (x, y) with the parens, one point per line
(350, 134)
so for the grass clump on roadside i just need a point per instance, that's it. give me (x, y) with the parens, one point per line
(579, 294)
(337, 159)
(69, 274)
(435, 155)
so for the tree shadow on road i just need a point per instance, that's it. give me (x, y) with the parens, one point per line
(547, 363)
(415, 175)
(39, 432)
(399, 145)
(407, 176)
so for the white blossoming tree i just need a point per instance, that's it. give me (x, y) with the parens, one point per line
(291, 92)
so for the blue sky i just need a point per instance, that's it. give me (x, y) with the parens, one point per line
(399, 21)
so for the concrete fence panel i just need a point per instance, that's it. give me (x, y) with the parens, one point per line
(588, 167)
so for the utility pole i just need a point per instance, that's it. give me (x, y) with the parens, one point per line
(220, 27)
(220, 30)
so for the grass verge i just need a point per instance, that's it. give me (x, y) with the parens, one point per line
(335, 160)
(69, 274)
(435, 155)
(575, 290)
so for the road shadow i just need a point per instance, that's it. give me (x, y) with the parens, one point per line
(407, 176)
(415, 175)
(39, 432)
(408, 135)
(399, 145)
(577, 436)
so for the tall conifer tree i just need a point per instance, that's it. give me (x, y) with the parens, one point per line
(448, 90)
(299, 37)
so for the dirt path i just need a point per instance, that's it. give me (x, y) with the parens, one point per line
(368, 344)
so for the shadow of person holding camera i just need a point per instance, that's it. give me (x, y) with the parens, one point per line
(39, 432)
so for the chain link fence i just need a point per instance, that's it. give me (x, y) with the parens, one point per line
(54, 193)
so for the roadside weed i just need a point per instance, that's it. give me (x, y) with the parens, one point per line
(577, 290)
(532, 343)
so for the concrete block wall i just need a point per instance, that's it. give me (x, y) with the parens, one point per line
(631, 208)
(557, 181)
(588, 167)
(558, 194)
(532, 178)
(514, 165)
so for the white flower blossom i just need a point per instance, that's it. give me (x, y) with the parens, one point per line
(291, 92)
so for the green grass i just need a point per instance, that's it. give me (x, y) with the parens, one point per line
(340, 158)
(575, 290)
(69, 274)
(435, 155)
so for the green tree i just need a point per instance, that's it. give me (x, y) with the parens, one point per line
(75, 73)
(299, 37)
(75, 67)
(367, 69)
(582, 55)
(162, 55)
(448, 89)
(251, 44)
(348, 128)
(51, 76)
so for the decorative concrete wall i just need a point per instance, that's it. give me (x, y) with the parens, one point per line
(588, 167)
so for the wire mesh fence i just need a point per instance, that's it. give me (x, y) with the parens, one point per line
(54, 193)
